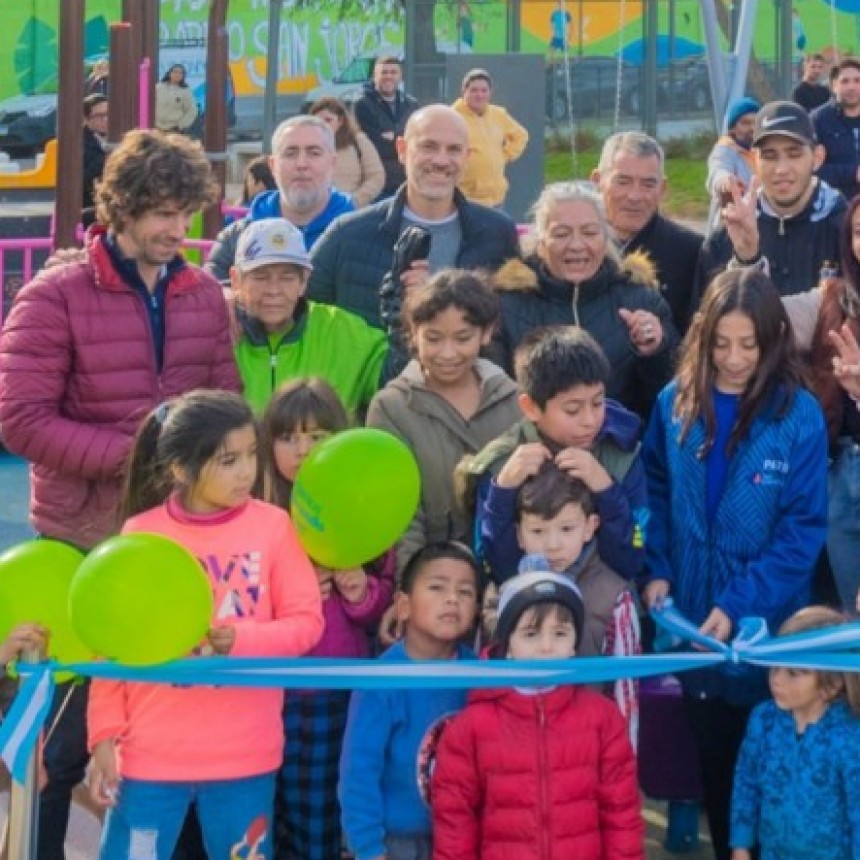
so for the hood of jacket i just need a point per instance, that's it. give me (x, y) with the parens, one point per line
(532, 275)
(553, 701)
(106, 275)
(495, 385)
(268, 205)
(826, 201)
(253, 329)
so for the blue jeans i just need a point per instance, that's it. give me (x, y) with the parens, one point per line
(235, 818)
(843, 521)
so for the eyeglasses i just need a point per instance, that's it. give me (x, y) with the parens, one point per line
(100, 115)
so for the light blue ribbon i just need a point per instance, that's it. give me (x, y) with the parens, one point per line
(827, 649)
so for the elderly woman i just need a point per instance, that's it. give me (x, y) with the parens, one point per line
(576, 277)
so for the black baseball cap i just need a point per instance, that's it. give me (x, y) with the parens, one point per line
(786, 119)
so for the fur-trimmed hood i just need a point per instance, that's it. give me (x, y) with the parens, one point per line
(636, 267)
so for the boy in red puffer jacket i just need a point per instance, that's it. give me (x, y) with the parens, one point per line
(539, 772)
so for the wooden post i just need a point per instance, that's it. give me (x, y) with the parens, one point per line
(123, 82)
(149, 40)
(132, 15)
(215, 125)
(273, 72)
(70, 135)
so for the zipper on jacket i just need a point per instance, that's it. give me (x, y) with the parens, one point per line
(273, 368)
(575, 305)
(782, 226)
(542, 778)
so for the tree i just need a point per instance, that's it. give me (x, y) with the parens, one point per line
(423, 15)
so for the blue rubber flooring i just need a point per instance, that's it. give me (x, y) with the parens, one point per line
(14, 501)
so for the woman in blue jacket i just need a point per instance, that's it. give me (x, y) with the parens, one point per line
(736, 461)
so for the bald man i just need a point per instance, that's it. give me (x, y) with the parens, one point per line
(357, 250)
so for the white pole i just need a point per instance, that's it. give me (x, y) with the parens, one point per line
(743, 49)
(24, 799)
(716, 65)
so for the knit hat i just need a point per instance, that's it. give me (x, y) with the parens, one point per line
(786, 119)
(271, 240)
(535, 584)
(739, 108)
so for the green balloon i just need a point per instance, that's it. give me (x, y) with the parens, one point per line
(34, 588)
(353, 497)
(141, 599)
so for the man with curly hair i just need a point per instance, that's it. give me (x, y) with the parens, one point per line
(89, 348)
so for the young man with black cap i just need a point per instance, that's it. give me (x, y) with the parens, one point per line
(788, 221)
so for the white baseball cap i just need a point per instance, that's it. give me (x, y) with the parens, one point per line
(269, 241)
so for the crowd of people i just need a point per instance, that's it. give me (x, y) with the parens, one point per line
(606, 413)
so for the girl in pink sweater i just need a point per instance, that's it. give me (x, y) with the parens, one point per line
(302, 414)
(157, 748)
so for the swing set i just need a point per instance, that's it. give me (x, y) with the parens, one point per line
(727, 69)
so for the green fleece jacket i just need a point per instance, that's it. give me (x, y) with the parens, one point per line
(324, 341)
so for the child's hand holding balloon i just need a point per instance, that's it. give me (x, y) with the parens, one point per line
(325, 577)
(222, 639)
(352, 584)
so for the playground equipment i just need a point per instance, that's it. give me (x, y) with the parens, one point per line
(43, 175)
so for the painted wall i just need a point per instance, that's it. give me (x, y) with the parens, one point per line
(318, 41)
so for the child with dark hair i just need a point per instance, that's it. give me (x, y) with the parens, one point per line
(557, 524)
(736, 458)
(796, 792)
(537, 772)
(448, 402)
(157, 748)
(391, 734)
(562, 374)
(258, 177)
(301, 415)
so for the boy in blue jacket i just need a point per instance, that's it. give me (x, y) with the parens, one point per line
(562, 374)
(390, 737)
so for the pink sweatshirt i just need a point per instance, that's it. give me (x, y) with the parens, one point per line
(265, 587)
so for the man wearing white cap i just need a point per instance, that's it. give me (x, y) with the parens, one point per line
(284, 336)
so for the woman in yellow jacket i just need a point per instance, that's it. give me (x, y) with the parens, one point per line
(495, 138)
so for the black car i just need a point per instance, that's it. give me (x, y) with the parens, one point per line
(27, 123)
(593, 88)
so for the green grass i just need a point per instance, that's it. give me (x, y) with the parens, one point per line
(686, 196)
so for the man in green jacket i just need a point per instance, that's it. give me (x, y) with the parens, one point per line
(285, 336)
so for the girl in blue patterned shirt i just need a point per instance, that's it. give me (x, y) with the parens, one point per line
(797, 783)
(736, 462)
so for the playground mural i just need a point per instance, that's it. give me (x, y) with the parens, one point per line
(320, 37)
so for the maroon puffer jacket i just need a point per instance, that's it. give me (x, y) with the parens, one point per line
(536, 777)
(78, 374)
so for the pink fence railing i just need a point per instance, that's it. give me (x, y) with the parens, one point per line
(32, 251)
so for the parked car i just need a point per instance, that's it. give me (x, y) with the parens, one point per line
(593, 88)
(27, 123)
(346, 86)
(683, 87)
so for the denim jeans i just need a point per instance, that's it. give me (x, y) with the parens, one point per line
(843, 521)
(65, 757)
(235, 818)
